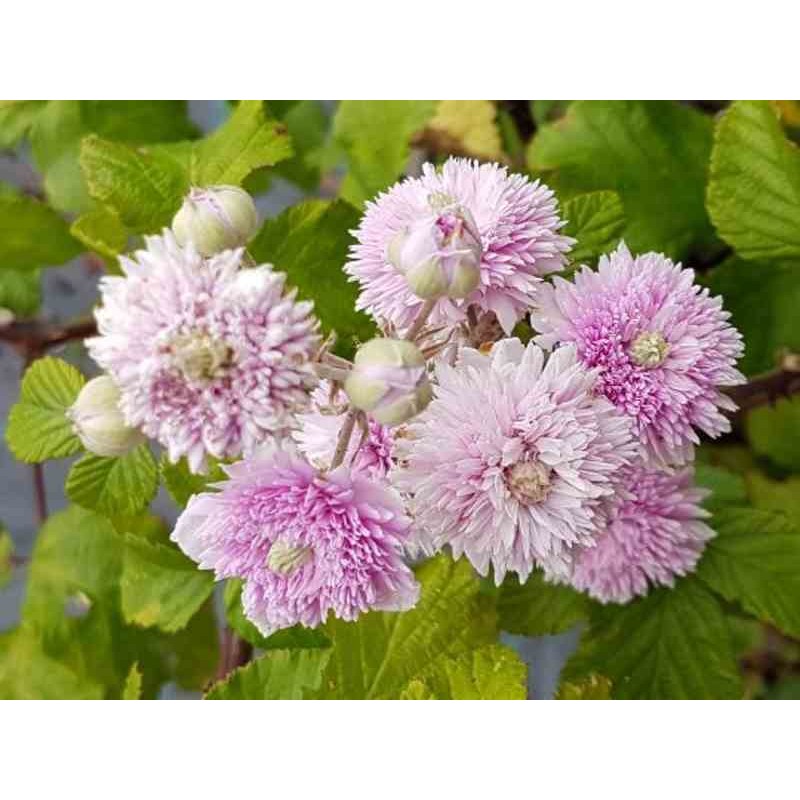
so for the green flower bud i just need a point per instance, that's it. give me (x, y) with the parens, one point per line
(389, 380)
(215, 219)
(98, 422)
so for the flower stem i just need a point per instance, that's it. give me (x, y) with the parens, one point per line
(344, 438)
(422, 316)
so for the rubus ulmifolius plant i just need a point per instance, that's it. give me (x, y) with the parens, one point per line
(488, 389)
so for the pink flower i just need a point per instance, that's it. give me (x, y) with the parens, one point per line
(517, 221)
(653, 534)
(210, 358)
(369, 452)
(306, 544)
(510, 462)
(663, 346)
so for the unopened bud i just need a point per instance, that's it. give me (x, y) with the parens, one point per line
(215, 219)
(389, 380)
(439, 255)
(98, 421)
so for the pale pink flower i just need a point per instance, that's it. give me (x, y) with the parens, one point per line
(511, 460)
(211, 358)
(518, 224)
(306, 544)
(662, 344)
(654, 534)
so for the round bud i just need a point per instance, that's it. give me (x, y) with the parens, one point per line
(98, 422)
(215, 219)
(440, 254)
(389, 380)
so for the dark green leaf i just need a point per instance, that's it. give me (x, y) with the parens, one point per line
(596, 220)
(774, 432)
(654, 153)
(755, 561)
(309, 242)
(672, 644)
(727, 488)
(538, 608)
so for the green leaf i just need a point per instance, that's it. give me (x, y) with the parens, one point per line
(596, 220)
(772, 495)
(493, 672)
(38, 428)
(143, 187)
(654, 153)
(754, 184)
(59, 128)
(28, 673)
(308, 126)
(375, 137)
(755, 561)
(672, 644)
(16, 118)
(123, 485)
(133, 683)
(101, 230)
(379, 654)
(278, 675)
(595, 687)
(774, 432)
(763, 300)
(296, 637)
(247, 141)
(6, 553)
(20, 291)
(160, 586)
(32, 235)
(539, 608)
(310, 242)
(727, 488)
(181, 483)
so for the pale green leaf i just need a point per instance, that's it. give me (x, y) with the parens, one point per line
(182, 483)
(32, 235)
(133, 684)
(123, 485)
(21, 291)
(754, 183)
(6, 555)
(160, 586)
(774, 432)
(379, 654)
(539, 608)
(653, 153)
(144, 188)
(673, 644)
(247, 141)
(309, 242)
(596, 220)
(28, 673)
(375, 137)
(38, 428)
(755, 560)
(101, 230)
(278, 675)
(595, 687)
(494, 672)
(16, 118)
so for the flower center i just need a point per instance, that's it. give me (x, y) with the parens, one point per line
(649, 349)
(199, 357)
(528, 481)
(284, 558)
(439, 201)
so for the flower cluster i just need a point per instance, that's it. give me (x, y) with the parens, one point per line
(568, 454)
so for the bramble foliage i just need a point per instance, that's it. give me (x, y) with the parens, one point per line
(115, 609)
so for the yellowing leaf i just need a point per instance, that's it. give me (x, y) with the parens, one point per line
(468, 127)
